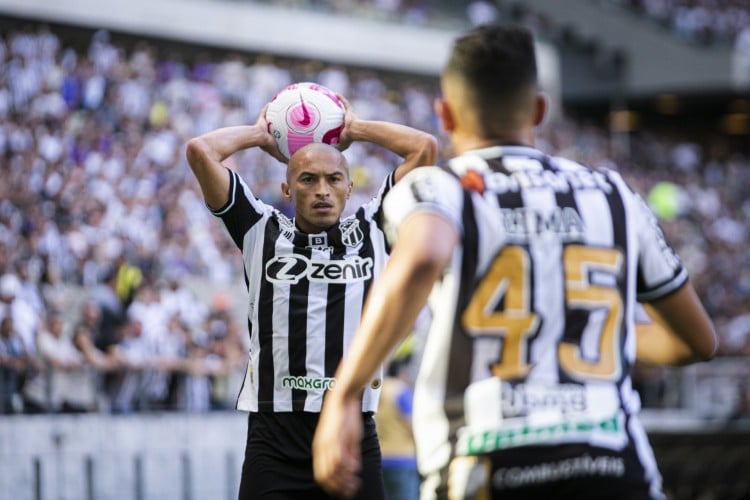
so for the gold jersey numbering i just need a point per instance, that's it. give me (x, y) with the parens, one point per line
(508, 279)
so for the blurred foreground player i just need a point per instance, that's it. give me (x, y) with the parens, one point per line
(533, 266)
(307, 278)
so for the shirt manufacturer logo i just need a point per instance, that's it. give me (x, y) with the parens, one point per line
(292, 268)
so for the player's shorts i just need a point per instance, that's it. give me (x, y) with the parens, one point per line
(278, 459)
(573, 471)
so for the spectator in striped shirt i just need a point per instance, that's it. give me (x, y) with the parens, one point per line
(307, 279)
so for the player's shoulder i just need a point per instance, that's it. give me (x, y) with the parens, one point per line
(430, 173)
(605, 175)
(427, 184)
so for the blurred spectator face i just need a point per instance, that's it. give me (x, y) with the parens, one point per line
(9, 287)
(56, 326)
(91, 313)
(6, 327)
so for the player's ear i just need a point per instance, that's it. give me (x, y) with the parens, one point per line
(445, 114)
(286, 191)
(349, 191)
(540, 108)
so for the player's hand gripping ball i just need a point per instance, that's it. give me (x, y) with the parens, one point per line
(303, 113)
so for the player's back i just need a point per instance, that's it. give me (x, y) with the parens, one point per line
(544, 287)
(532, 337)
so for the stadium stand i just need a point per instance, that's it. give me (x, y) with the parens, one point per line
(701, 22)
(111, 121)
(102, 226)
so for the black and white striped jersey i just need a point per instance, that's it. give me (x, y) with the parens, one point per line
(532, 337)
(306, 293)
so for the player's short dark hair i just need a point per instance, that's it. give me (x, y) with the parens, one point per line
(496, 62)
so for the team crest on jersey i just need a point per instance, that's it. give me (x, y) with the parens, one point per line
(351, 234)
(286, 225)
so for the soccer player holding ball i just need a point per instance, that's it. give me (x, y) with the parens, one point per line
(307, 279)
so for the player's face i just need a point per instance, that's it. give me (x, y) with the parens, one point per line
(318, 185)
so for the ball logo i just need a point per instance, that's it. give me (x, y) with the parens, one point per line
(303, 116)
(304, 113)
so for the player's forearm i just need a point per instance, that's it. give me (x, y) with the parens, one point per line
(206, 153)
(416, 147)
(220, 144)
(656, 346)
(681, 332)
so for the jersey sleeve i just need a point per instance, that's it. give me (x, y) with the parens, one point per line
(242, 211)
(660, 271)
(374, 207)
(429, 189)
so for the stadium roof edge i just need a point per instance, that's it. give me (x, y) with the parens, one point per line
(256, 28)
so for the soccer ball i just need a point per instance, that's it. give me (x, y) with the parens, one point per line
(303, 113)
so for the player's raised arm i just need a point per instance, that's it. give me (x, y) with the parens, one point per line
(416, 147)
(206, 153)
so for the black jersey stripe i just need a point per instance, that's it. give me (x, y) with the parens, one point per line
(243, 217)
(335, 316)
(619, 219)
(378, 215)
(461, 351)
(511, 200)
(367, 249)
(575, 319)
(266, 375)
(297, 338)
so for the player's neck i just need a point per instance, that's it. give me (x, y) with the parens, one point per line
(464, 143)
(307, 228)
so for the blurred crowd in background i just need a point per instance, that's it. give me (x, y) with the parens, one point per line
(118, 286)
(698, 21)
(702, 22)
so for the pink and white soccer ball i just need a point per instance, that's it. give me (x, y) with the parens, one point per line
(303, 113)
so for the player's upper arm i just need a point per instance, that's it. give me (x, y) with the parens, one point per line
(425, 153)
(212, 176)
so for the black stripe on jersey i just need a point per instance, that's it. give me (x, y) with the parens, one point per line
(378, 215)
(515, 200)
(575, 319)
(297, 338)
(620, 241)
(496, 165)
(461, 351)
(241, 216)
(265, 322)
(367, 249)
(335, 313)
